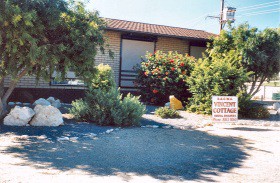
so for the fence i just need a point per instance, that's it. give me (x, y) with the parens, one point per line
(266, 92)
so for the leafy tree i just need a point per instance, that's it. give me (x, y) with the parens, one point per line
(260, 51)
(43, 36)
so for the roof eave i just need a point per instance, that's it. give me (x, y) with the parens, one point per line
(156, 34)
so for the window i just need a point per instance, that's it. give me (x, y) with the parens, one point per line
(70, 80)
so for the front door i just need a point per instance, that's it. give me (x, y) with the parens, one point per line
(132, 51)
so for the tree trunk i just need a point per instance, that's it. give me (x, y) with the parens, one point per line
(5, 97)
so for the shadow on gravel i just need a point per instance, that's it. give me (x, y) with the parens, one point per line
(165, 154)
(249, 129)
(71, 129)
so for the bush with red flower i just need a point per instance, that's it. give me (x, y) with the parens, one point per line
(164, 74)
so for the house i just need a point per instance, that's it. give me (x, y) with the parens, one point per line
(129, 41)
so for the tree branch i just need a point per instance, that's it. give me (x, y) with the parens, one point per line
(13, 85)
(259, 86)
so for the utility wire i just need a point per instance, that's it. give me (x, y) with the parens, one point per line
(248, 7)
(254, 14)
(199, 19)
(271, 10)
(255, 8)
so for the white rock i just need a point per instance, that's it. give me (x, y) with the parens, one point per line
(51, 99)
(18, 103)
(143, 126)
(42, 101)
(155, 126)
(276, 125)
(56, 103)
(109, 131)
(46, 116)
(269, 107)
(166, 127)
(274, 112)
(73, 138)
(19, 116)
(11, 103)
(63, 139)
(92, 135)
(276, 106)
(42, 137)
(167, 104)
(266, 124)
(278, 111)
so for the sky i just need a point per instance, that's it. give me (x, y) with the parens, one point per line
(190, 13)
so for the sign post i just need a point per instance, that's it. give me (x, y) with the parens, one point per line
(224, 109)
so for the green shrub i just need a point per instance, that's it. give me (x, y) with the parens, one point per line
(108, 108)
(255, 112)
(248, 109)
(163, 75)
(166, 112)
(216, 76)
(103, 103)
(103, 79)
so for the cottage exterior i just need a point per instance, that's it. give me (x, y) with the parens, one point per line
(129, 41)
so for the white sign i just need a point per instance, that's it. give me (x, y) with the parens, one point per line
(224, 109)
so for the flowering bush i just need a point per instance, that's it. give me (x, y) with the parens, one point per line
(164, 74)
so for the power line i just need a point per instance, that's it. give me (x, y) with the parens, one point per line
(256, 8)
(253, 14)
(248, 7)
(271, 10)
(196, 20)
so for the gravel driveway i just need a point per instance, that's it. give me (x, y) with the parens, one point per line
(219, 153)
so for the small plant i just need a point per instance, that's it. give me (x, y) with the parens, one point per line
(255, 111)
(103, 79)
(166, 112)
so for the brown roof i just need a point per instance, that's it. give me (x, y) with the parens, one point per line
(160, 30)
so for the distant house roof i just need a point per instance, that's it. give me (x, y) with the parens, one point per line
(159, 30)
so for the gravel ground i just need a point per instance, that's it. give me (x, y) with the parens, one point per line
(170, 150)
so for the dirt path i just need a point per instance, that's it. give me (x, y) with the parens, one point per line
(220, 153)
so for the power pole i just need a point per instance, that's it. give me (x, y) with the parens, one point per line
(226, 15)
(221, 15)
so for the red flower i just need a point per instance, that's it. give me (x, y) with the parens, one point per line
(155, 91)
(166, 73)
(159, 76)
(172, 61)
(146, 74)
(182, 64)
(173, 69)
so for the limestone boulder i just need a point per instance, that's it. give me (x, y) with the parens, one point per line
(51, 99)
(19, 116)
(54, 102)
(276, 106)
(46, 116)
(42, 102)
